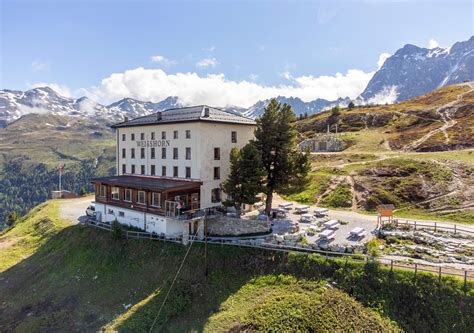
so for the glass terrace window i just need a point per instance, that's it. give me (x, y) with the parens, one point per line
(142, 152)
(133, 152)
(128, 195)
(142, 136)
(233, 136)
(217, 173)
(175, 171)
(132, 136)
(175, 134)
(156, 199)
(175, 153)
(115, 193)
(152, 135)
(123, 137)
(188, 153)
(124, 168)
(163, 171)
(133, 169)
(163, 135)
(141, 197)
(124, 153)
(152, 153)
(188, 172)
(152, 172)
(217, 154)
(188, 134)
(142, 169)
(163, 153)
(102, 191)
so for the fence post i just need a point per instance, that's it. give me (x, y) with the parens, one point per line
(435, 227)
(454, 229)
(415, 225)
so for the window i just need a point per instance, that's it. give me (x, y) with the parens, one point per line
(142, 169)
(152, 172)
(188, 153)
(133, 169)
(163, 135)
(156, 199)
(142, 136)
(142, 152)
(216, 195)
(188, 172)
(152, 152)
(217, 173)
(132, 136)
(175, 153)
(217, 154)
(163, 153)
(233, 136)
(128, 195)
(124, 137)
(163, 171)
(141, 197)
(115, 193)
(121, 214)
(175, 171)
(124, 153)
(124, 168)
(188, 134)
(175, 134)
(102, 191)
(152, 135)
(110, 212)
(133, 152)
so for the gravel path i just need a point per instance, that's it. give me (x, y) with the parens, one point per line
(74, 210)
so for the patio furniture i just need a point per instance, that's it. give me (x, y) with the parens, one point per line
(312, 230)
(278, 213)
(357, 232)
(302, 209)
(286, 205)
(321, 212)
(331, 224)
(306, 218)
(327, 234)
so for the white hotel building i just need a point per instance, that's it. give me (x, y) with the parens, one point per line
(170, 157)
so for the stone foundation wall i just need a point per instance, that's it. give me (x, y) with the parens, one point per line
(231, 226)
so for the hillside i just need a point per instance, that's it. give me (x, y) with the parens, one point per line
(61, 277)
(31, 149)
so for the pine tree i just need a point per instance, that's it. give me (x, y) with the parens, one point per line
(286, 168)
(246, 176)
(351, 105)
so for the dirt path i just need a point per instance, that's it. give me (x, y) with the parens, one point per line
(74, 210)
(447, 113)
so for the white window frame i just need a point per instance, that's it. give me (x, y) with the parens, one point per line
(153, 195)
(144, 198)
(115, 191)
(125, 195)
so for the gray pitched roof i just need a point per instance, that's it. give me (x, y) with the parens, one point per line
(186, 114)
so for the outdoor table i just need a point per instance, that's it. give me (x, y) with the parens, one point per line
(331, 224)
(358, 231)
(285, 205)
(306, 218)
(326, 234)
(302, 209)
(321, 211)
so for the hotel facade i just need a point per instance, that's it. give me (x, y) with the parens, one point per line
(169, 163)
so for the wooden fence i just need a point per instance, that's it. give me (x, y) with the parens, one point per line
(349, 257)
(436, 226)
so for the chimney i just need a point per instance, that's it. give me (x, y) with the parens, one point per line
(158, 115)
(125, 118)
(206, 112)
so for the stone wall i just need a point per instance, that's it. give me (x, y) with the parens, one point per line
(323, 142)
(231, 226)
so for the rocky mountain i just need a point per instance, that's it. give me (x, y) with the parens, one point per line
(298, 106)
(15, 103)
(413, 71)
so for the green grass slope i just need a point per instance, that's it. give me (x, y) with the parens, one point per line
(76, 278)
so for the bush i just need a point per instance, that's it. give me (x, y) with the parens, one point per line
(340, 197)
(372, 247)
(117, 230)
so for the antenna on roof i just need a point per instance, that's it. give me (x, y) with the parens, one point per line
(125, 118)
(158, 115)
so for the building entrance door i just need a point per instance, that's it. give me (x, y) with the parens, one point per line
(171, 208)
(194, 201)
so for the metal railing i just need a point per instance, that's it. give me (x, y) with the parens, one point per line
(465, 274)
(436, 226)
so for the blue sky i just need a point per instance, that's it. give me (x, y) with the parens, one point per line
(217, 52)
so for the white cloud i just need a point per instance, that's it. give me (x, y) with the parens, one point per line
(162, 60)
(206, 62)
(253, 77)
(215, 89)
(59, 88)
(433, 44)
(387, 95)
(382, 58)
(39, 66)
(209, 49)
